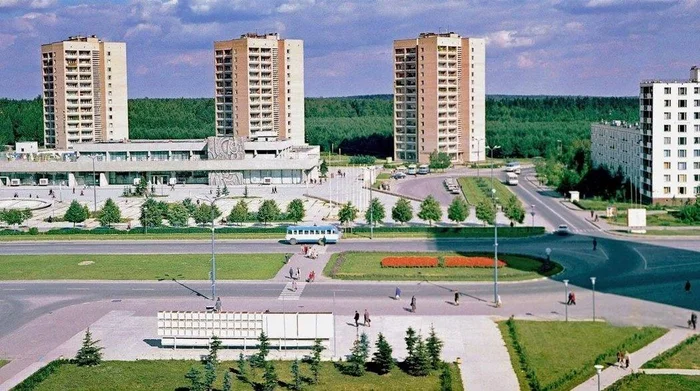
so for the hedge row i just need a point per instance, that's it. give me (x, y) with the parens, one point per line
(472, 232)
(39, 376)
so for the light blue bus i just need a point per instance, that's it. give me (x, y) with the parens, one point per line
(312, 234)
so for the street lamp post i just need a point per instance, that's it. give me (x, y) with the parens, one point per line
(213, 254)
(566, 299)
(478, 154)
(598, 369)
(533, 215)
(94, 184)
(371, 210)
(495, 253)
(593, 283)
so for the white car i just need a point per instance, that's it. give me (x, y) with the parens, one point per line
(563, 229)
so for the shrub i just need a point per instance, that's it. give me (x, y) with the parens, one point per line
(39, 376)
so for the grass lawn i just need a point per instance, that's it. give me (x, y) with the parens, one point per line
(367, 266)
(562, 354)
(602, 205)
(674, 232)
(657, 219)
(3, 362)
(474, 194)
(170, 375)
(642, 382)
(139, 266)
(685, 355)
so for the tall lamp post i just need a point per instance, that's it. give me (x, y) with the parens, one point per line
(495, 250)
(593, 283)
(478, 153)
(94, 184)
(493, 189)
(212, 273)
(371, 209)
(598, 369)
(566, 299)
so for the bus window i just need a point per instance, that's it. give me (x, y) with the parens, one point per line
(306, 232)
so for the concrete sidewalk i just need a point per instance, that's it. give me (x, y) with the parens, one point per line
(128, 336)
(614, 373)
(305, 265)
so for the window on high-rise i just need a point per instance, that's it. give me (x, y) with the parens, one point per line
(667, 103)
(682, 91)
(682, 166)
(667, 115)
(682, 103)
(667, 128)
(682, 116)
(682, 140)
(667, 90)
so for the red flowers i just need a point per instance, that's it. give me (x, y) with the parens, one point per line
(409, 262)
(453, 261)
(471, 262)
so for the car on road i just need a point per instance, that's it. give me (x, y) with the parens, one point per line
(513, 167)
(563, 229)
(399, 175)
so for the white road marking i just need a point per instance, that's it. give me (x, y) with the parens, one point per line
(675, 265)
(642, 256)
(289, 294)
(604, 253)
(537, 199)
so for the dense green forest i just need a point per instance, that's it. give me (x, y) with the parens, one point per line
(523, 126)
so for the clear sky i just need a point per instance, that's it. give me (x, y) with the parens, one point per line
(554, 47)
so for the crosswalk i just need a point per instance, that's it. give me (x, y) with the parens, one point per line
(288, 293)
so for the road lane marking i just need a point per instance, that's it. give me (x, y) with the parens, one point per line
(536, 198)
(675, 265)
(606, 254)
(642, 256)
(289, 294)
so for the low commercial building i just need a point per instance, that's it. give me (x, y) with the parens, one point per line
(211, 161)
(616, 146)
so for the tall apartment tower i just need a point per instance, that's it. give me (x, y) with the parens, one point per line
(260, 88)
(670, 121)
(439, 97)
(84, 92)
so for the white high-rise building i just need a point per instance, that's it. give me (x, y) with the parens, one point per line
(670, 123)
(84, 92)
(260, 88)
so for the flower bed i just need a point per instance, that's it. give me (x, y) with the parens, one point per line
(409, 262)
(471, 262)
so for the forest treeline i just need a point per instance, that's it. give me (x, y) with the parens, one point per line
(524, 126)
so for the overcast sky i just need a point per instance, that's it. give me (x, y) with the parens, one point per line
(554, 47)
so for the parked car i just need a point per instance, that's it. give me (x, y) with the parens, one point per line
(399, 175)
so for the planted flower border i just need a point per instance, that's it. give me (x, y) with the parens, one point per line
(451, 261)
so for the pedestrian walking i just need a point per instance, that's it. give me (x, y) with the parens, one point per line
(456, 298)
(499, 303)
(291, 273)
(687, 286)
(693, 321)
(357, 319)
(397, 293)
(627, 359)
(217, 306)
(572, 299)
(595, 244)
(591, 214)
(367, 319)
(413, 304)
(294, 285)
(298, 273)
(620, 358)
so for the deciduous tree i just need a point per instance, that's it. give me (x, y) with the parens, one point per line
(458, 211)
(110, 213)
(269, 211)
(375, 213)
(430, 210)
(295, 210)
(76, 213)
(402, 211)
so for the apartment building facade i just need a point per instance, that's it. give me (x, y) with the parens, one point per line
(84, 92)
(260, 88)
(616, 146)
(439, 97)
(670, 122)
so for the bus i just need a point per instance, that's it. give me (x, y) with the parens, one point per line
(512, 179)
(411, 169)
(320, 234)
(423, 169)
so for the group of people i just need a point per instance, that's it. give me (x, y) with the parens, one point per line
(623, 359)
(367, 320)
(309, 252)
(572, 299)
(295, 276)
(274, 189)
